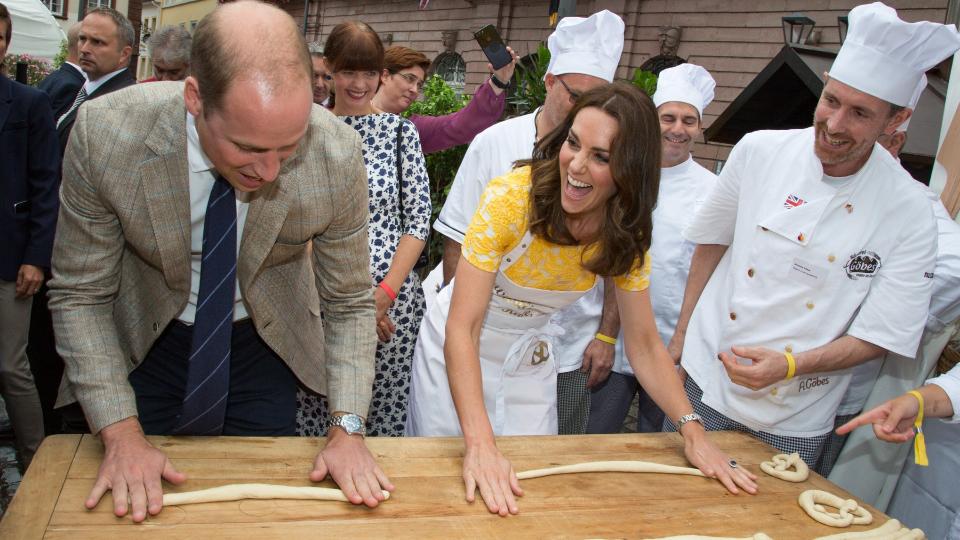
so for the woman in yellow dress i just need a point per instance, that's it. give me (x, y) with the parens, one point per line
(542, 236)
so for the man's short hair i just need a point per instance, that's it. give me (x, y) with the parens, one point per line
(216, 60)
(73, 36)
(170, 45)
(125, 31)
(5, 18)
(315, 48)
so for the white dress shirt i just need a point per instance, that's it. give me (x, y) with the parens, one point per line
(201, 184)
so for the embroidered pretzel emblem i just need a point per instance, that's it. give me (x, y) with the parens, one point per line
(780, 465)
(815, 502)
(540, 354)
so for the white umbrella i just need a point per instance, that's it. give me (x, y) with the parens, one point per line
(35, 31)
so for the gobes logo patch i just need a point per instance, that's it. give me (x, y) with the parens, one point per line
(862, 264)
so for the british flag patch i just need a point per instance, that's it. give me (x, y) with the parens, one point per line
(793, 201)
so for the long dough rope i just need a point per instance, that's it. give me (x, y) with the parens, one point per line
(758, 536)
(779, 467)
(610, 466)
(850, 513)
(891, 530)
(236, 492)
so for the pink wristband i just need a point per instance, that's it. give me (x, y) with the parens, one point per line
(386, 288)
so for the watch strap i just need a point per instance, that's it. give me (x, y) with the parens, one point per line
(692, 417)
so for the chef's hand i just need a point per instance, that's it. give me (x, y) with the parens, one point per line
(132, 469)
(892, 421)
(597, 361)
(675, 347)
(29, 280)
(768, 366)
(485, 467)
(713, 462)
(351, 465)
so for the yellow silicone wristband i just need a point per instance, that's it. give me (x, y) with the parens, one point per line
(791, 365)
(606, 339)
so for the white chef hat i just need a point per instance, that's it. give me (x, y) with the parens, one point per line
(687, 83)
(914, 99)
(590, 46)
(885, 56)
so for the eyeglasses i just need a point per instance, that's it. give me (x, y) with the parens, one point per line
(574, 96)
(412, 80)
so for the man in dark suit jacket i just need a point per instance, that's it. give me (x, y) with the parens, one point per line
(105, 44)
(63, 84)
(29, 169)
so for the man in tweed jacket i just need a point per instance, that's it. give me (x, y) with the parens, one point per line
(126, 249)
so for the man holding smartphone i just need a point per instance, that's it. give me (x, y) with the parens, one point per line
(584, 54)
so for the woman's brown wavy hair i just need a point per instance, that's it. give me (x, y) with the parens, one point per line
(625, 232)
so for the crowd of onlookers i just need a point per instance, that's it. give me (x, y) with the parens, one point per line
(236, 254)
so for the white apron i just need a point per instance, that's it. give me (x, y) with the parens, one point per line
(518, 368)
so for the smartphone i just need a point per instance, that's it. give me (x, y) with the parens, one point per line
(492, 46)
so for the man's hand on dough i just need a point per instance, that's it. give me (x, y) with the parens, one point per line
(132, 469)
(486, 468)
(351, 465)
(713, 462)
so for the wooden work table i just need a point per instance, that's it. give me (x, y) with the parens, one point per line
(429, 496)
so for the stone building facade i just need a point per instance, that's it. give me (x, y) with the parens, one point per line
(733, 39)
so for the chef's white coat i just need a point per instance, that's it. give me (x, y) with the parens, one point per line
(944, 301)
(810, 259)
(683, 189)
(492, 153)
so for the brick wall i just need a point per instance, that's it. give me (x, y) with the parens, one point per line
(733, 39)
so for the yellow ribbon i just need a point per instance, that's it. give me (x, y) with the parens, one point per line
(919, 444)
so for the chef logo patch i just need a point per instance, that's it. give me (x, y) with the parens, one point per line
(862, 264)
(793, 201)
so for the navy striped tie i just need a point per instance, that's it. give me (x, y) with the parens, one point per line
(208, 376)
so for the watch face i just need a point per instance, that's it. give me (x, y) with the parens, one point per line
(351, 423)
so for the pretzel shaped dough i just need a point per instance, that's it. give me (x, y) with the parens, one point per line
(236, 492)
(850, 513)
(780, 464)
(891, 530)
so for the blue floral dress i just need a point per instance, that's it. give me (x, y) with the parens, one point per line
(399, 204)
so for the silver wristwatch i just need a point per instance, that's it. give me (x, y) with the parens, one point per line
(692, 417)
(353, 424)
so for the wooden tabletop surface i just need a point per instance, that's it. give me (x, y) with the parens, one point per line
(429, 498)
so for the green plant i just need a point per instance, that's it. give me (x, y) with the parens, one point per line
(61, 56)
(529, 90)
(439, 99)
(37, 68)
(645, 80)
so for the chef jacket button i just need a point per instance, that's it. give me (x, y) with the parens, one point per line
(156, 327)
(733, 316)
(750, 272)
(809, 305)
(831, 258)
(788, 348)
(773, 392)
(800, 237)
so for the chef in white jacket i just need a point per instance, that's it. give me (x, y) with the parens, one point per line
(683, 93)
(584, 53)
(815, 250)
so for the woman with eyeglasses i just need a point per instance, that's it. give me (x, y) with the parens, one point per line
(404, 73)
(399, 203)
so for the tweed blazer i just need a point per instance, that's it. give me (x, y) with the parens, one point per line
(121, 260)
